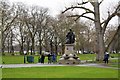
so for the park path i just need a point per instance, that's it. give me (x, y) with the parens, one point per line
(43, 65)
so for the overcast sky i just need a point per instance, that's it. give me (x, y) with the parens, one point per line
(56, 6)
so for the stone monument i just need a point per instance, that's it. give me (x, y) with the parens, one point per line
(69, 57)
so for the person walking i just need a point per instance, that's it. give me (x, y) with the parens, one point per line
(42, 58)
(49, 59)
(106, 57)
(54, 58)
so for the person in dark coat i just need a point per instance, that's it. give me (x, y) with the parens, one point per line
(49, 58)
(42, 58)
(106, 57)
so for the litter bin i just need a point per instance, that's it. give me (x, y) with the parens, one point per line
(30, 59)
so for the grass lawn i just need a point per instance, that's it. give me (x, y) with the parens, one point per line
(16, 59)
(20, 59)
(59, 72)
(0, 72)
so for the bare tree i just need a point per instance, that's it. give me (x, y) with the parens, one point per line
(8, 14)
(100, 26)
(42, 27)
(113, 40)
(36, 22)
(61, 26)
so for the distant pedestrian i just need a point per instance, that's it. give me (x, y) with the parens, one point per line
(49, 58)
(42, 58)
(106, 57)
(54, 58)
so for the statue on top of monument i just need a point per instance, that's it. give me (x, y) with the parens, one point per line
(70, 37)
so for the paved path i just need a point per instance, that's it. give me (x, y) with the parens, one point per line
(43, 65)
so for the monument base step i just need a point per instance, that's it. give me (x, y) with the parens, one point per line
(69, 61)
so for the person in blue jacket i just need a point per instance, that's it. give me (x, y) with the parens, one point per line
(106, 57)
(54, 58)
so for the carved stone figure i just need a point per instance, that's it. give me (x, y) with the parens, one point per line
(70, 37)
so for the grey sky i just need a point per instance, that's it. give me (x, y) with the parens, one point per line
(56, 6)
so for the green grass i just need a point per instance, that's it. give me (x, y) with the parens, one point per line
(114, 65)
(60, 72)
(93, 56)
(87, 56)
(12, 59)
(0, 72)
(17, 59)
(20, 59)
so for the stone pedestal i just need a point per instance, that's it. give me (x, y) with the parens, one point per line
(69, 49)
(69, 57)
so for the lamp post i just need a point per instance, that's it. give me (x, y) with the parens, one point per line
(24, 57)
(24, 49)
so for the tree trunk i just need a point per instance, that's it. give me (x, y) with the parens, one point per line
(33, 46)
(46, 46)
(63, 48)
(118, 45)
(22, 46)
(112, 45)
(114, 40)
(2, 43)
(31, 53)
(51, 46)
(40, 46)
(40, 43)
(28, 42)
(100, 48)
(11, 44)
(56, 48)
(21, 50)
(8, 45)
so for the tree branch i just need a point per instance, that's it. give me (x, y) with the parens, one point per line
(93, 3)
(118, 8)
(114, 37)
(107, 21)
(101, 2)
(9, 24)
(82, 15)
(86, 9)
(88, 18)
(116, 12)
(83, 3)
(18, 39)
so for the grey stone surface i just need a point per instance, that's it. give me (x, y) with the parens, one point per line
(44, 65)
(69, 57)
